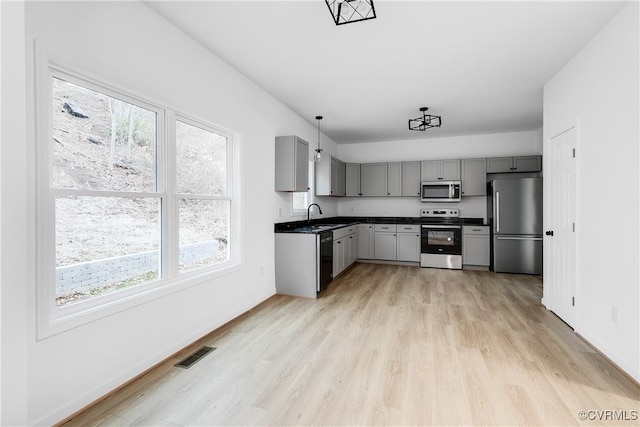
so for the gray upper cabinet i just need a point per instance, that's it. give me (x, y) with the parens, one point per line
(330, 177)
(353, 179)
(527, 164)
(514, 164)
(394, 179)
(411, 179)
(430, 170)
(474, 177)
(499, 164)
(292, 164)
(338, 177)
(440, 170)
(373, 179)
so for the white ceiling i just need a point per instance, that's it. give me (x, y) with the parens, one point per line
(480, 65)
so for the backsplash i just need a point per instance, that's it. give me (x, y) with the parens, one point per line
(470, 207)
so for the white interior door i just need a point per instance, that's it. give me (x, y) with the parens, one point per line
(560, 284)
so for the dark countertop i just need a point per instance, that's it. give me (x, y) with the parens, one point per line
(305, 226)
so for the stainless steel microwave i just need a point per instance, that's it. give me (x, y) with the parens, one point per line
(440, 191)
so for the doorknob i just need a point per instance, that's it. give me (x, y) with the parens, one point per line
(549, 233)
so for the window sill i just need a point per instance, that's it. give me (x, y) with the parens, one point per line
(63, 319)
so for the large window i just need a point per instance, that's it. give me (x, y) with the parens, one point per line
(132, 196)
(204, 199)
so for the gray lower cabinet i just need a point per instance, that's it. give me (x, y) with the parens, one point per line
(365, 241)
(474, 177)
(345, 248)
(475, 246)
(385, 243)
(353, 248)
(338, 256)
(292, 164)
(397, 242)
(411, 179)
(408, 242)
(296, 257)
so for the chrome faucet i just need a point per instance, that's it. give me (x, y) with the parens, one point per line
(309, 210)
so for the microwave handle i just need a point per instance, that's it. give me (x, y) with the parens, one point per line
(451, 191)
(497, 211)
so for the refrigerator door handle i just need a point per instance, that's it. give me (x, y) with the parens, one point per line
(518, 238)
(497, 211)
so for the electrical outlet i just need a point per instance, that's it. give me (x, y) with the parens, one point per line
(351, 210)
(279, 211)
(614, 313)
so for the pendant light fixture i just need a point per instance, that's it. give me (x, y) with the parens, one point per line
(346, 11)
(425, 122)
(318, 150)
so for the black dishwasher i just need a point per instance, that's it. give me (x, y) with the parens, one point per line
(325, 259)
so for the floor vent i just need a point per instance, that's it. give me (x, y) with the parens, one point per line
(190, 360)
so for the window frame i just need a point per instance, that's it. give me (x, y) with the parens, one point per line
(310, 193)
(52, 319)
(228, 197)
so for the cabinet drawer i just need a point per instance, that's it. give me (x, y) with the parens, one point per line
(385, 227)
(475, 229)
(408, 228)
(344, 231)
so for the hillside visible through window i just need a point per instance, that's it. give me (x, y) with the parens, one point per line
(101, 144)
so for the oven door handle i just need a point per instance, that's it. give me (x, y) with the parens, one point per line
(441, 226)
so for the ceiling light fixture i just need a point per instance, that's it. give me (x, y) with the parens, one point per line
(425, 122)
(347, 11)
(318, 150)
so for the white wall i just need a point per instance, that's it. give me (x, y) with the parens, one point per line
(598, 91)
(455, 147)
(127, 45)
(13, 202)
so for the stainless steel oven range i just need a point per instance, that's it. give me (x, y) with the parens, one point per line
(441, 239)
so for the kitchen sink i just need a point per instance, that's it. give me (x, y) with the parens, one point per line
(318, 227)
(325, 226)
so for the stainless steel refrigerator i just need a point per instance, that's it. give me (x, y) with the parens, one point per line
(514, 210)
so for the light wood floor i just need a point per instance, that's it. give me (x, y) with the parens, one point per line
(386, 345)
